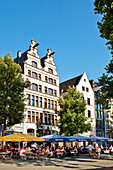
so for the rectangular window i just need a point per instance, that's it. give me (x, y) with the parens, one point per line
(50, 91)
(33, 117)
(29, 73)
(34, 75)
(36, 101)
(36, 117)
(52, 106)
(88, 101)
(55, 93)
(39, 76)
(45, 103)
(89, 113)
(54, 82)
(52, 119)
(41, 117)
(28, 99)
(87, 89)
(34, 87)
(45, 90)
(32, 100)
(40, 101)
(55, 104)
(50, 80)
(45, 118)
(40, 88)
(83, 88)
(34, 64)
(46, 78)
(29, 117)
(49, 118)
(48, 103)
(55, 120)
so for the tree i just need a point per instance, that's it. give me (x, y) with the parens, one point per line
(12, 97)
(105, 83)
(72, 119)
(105, 8)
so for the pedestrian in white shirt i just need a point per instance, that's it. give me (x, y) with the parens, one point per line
(90, 149)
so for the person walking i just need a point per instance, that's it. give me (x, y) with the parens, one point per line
(90, 149)
(98, 151)
(94, 150)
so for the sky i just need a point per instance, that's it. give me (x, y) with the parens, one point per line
(68, 27)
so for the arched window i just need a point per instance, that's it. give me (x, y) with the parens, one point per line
(34, 64)
(50, 70)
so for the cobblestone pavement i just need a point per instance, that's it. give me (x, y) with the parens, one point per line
(79, 163)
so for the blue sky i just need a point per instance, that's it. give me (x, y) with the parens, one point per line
(68, 27)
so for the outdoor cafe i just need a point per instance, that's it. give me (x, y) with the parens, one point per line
(42, 151)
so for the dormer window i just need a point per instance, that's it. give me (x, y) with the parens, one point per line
(50, 70)
(34, 64)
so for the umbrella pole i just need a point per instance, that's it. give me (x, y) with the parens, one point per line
(19, 145)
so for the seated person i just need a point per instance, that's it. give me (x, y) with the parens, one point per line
(23, 153)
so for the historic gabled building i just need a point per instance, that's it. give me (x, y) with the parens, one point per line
(43, 93)
(83, 85)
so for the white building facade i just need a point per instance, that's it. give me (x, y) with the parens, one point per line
(43, 93)
(83, 85)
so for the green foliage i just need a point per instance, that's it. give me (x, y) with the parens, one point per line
(72, 119)
(105, 82)
(105, 8)
(11, 92)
